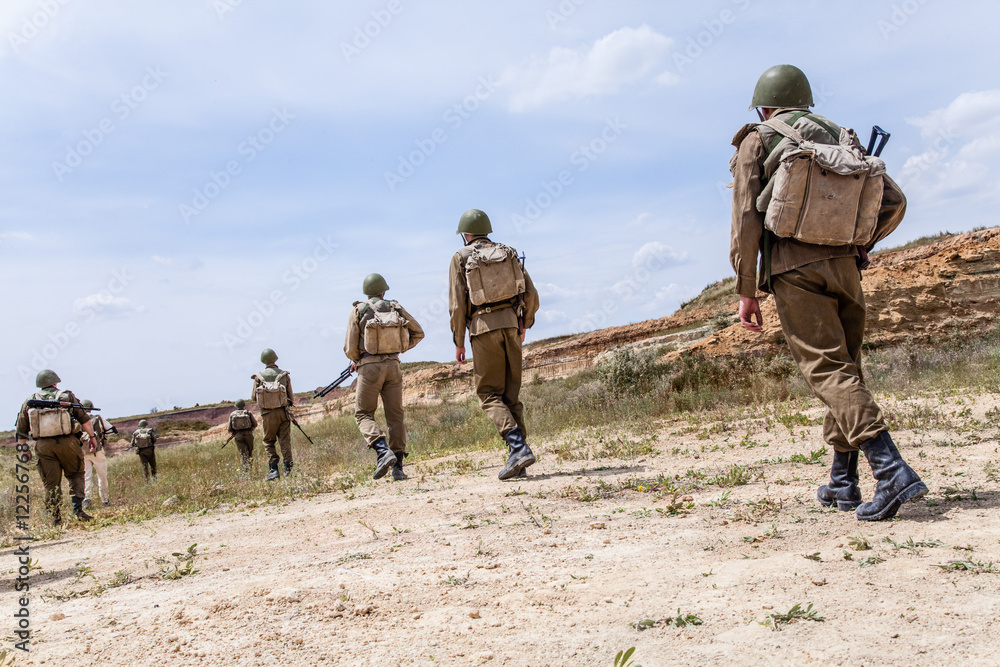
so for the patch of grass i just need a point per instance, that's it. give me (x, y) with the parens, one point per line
(181, 566)
(735, 475)
(859, 543)
(972, 567)
(796, 613)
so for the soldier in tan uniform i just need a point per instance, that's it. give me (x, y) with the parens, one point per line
(241, 426)
(57, 445)
(496, 331)
(377, 332)
(96, 461)
(272, 389)
(818, 295)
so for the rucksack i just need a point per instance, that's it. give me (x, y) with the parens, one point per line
(493, 273)
(271, 393)
(385, 331)
(50, 422)
(241, 420)
(142, 438)
(825, 194)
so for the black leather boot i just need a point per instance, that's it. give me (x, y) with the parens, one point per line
(288, 469)
(896, 484)
(519, 456)
(843, 487)
(386, 459)
(397, 468)
(273, 474)
(78, 509)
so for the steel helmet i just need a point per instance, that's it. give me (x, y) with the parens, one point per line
(46, 378)
(268, 356)
(142, 423)
(474, 221)
(374, 285)
(87, 403)
(240, 404)
(782, 87)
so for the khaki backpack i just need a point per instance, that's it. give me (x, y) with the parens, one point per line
(271, 393)
(142, 438)
(825, 194)
(385, 331)
(241, 420)
(493, 273)
(50, 422)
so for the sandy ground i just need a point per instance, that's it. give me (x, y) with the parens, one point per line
(461, 569)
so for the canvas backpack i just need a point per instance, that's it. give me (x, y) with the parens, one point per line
(384, 331)
(240, 420)
(271, 393)
(143, 438)
(493, 273)
(824, 194)
(51, 422)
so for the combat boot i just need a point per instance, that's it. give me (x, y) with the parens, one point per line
(273, 474)
(843, 487)
(86, 503)
(386, 459)
(288, 469)
(78, 509)
(397, 468)
(519, 454)
(896, 482)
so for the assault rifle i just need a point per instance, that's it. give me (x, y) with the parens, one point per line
(882, 136)
(227, 441)
(346, 373)
(291, 416)
(39, 403)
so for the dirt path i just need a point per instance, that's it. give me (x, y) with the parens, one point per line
(461, 569)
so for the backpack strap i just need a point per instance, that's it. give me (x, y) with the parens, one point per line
(784, 129)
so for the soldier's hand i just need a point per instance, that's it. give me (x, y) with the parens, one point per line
(749, 311)
(354, 367)
(460, 355)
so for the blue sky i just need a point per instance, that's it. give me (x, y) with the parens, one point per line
(184, 183)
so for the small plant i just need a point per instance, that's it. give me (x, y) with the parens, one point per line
(815, 457)
(183, 564)
(814, 557)
(859, 543)
(623, 658)
(82, 570)
(796, 613)
(736, 475)
(868, 561)
(683, 620)
(452, 580)
(975, 567)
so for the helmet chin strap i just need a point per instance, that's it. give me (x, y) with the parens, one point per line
(759, 114)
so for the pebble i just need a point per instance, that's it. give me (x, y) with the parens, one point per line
(687, 499)
(596, 525)
(57, 616)
(768, 606)
(723, 523)
(819, 582)
(362, 611)
(474, 613)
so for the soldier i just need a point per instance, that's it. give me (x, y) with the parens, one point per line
(96, 461)
(491, 295)
(57, 445)
(241, 426)
(818, 295)
(377, 332)
(144, 441)
(272, 389)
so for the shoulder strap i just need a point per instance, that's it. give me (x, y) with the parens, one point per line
(784, 129)
(825, 126)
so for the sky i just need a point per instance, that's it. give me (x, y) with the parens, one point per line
(186, 182)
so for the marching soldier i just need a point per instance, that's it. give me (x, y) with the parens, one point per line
(272, 389)
(96, 461)
(144, 441)
(55, 430)
(241, 426)
(377, 332)
(817, 292)
(492, 296)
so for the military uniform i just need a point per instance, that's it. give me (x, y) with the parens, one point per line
(378, 375)
(817, 291)
(495, 332)
(59, 455)
(144, 440)
(276, 424)
(96, 463)
(243, 437)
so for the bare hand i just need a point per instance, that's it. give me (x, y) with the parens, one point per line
(750, 310)
(460, 355)
(354, 367)
(522, 332)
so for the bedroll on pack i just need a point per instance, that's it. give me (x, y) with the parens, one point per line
(493, 273)
(825, 194)
(49, 422)
(143, 438)
(241, 421)
(271, 393)
(385, 332)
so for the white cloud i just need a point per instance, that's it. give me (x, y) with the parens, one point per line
(640, 220)
(625, 56)
(655, 256)
(105, 302)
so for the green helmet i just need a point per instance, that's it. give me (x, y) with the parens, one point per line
(46, 378)
(142, 423)
(474, 221)
(240, 404)
(87, 403)
(268, 356)
(374, 285)
(782, 87)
